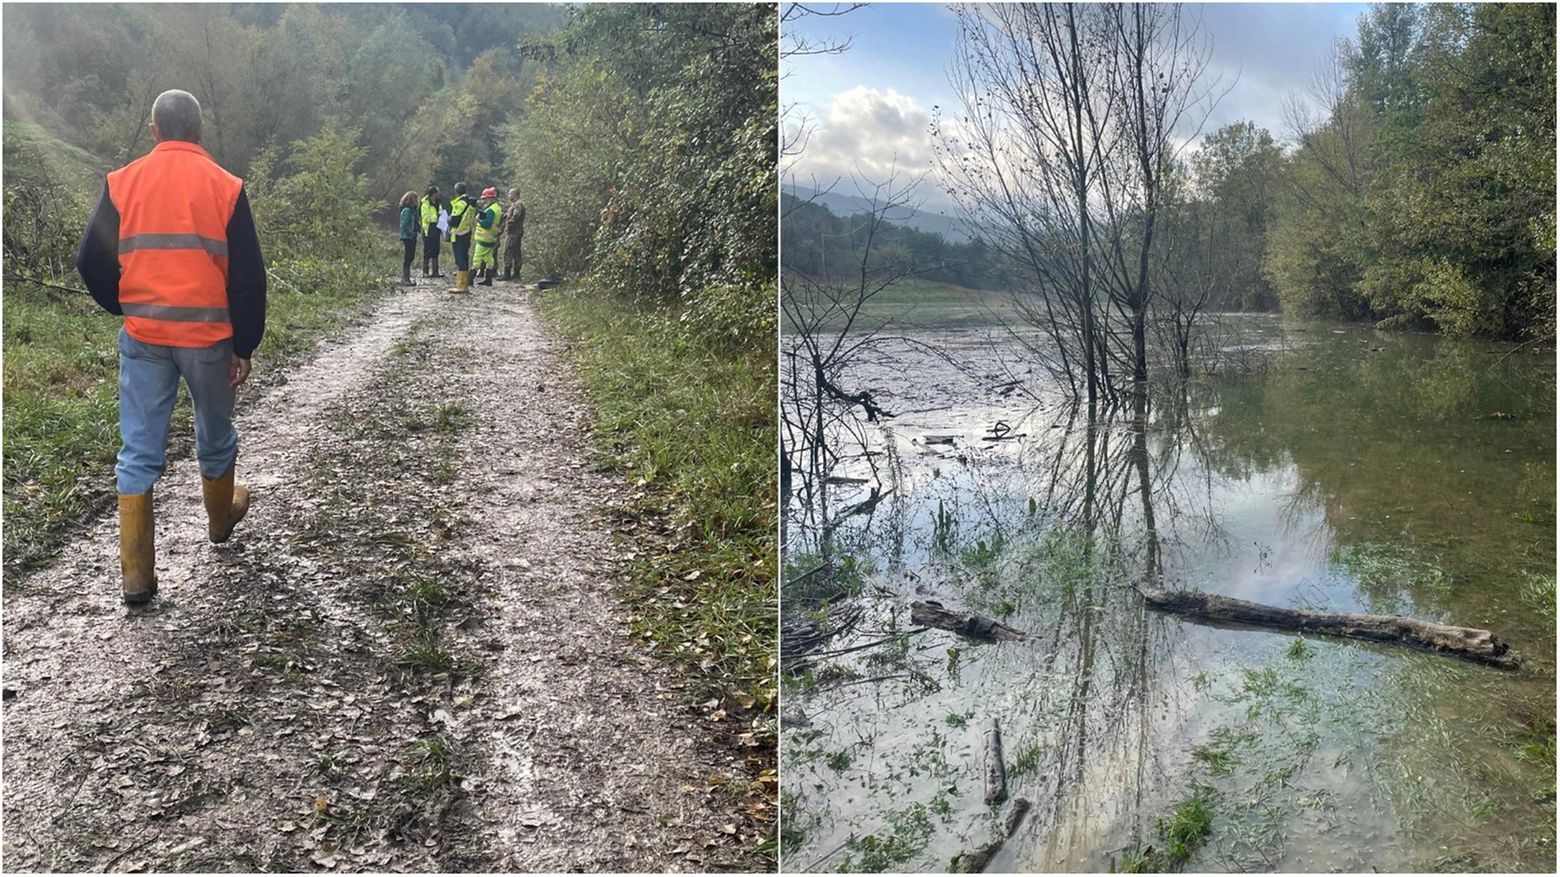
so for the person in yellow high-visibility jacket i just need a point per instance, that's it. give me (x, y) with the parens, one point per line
(485, 257)
(463, 220)
(431, 205)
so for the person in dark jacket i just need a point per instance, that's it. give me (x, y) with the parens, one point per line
(409, 237)
(171, 247)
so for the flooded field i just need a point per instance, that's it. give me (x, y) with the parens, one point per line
(1320, 467)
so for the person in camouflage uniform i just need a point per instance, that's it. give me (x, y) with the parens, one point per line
(513, 226)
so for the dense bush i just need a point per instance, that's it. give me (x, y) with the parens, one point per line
(647, 157)
(1426, 195)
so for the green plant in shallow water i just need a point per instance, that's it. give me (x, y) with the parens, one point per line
(1181, 833)
(982, 554)
(906, 837)
(1539, 592)
(945, 528)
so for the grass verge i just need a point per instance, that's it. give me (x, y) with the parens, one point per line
(689, 418)
(692, 425)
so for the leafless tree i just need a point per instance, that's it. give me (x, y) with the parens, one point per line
(1164, 97)
(796, 126)
(1073, 114)
(826, 327)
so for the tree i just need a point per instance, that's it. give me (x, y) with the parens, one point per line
(1061, 156)
(1237, 172)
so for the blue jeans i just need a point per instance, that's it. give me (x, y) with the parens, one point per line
(461, 245)
(148, 385)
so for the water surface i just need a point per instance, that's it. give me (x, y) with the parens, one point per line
(1323, 467)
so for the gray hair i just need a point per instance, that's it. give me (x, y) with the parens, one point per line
(177, 116)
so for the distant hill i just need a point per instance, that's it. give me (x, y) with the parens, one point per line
(844, 201)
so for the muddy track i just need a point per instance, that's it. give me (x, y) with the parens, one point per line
(409, 657)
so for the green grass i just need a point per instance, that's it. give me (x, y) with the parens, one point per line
(61, 430)
(1181, 832)
(690, 421)
(922, 303)
(1539, 592)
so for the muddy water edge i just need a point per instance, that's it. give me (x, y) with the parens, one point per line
(1317, 466)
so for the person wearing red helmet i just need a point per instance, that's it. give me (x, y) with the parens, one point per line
(485, 256)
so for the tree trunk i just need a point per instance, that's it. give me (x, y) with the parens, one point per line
(932, 614)
(1461, 642)
(996, 771)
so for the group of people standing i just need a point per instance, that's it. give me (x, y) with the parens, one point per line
(477, 231)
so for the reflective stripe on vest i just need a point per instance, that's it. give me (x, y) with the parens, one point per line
(489, 236)
(172, 242)
(174, 207)
(176, 314)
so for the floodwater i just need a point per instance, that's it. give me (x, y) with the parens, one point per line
(1320, 467)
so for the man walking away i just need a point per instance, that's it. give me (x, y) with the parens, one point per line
(514, 229)
(431, 204)
(463, 219)
(171, 247)
(486, 236)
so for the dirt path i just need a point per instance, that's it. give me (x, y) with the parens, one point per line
(409, 656)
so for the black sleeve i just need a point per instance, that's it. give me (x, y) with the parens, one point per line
(97, 259)
(246, 280)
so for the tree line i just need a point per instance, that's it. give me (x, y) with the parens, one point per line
(641, 136)
(1423, 192)
(1416, 189)
(827, 246)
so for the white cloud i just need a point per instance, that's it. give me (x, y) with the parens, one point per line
(868, 133)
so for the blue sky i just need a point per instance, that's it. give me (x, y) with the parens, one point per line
(871, 104)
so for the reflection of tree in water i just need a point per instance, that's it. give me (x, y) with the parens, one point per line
(1407, 442)
(1087, 674)
(1100, 701)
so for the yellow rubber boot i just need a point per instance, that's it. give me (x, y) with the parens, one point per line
(137, 548)
(462, 281)
(226, 504)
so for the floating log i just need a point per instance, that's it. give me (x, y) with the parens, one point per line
(976, 860)
(1016, 816)
(932, 614)
(996, 772)
(1462, 642)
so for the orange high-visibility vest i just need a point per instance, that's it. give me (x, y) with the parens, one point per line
(174, 207)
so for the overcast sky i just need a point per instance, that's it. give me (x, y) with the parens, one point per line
(872, 104)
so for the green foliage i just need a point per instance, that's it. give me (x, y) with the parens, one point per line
(1238, 172)
(1427, 193)
(428, 87)
(906, 837)
(319, 211)
(1181, 833)
(1540, 593)
(47, 201)
(653, 144)
(693, 422)
(945, 530)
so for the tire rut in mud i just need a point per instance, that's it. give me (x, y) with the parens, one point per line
(406, 659)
